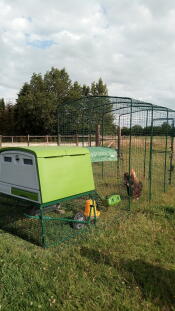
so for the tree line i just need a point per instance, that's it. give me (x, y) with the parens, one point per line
(41, 100)
(37, 104)
(138, 130)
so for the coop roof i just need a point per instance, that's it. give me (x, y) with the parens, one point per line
(50, 151)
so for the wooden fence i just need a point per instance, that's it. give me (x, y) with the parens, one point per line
(60, 140)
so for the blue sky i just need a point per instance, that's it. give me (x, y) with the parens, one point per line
(40, 44)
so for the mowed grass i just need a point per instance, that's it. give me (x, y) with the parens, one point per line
(126, 262)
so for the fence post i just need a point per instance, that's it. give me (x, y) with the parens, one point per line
(28, 140)
(90, 140)
(97, 136)
(59, 140)
(12, 139)
(0, 141)
(47, 139)
(76, 139)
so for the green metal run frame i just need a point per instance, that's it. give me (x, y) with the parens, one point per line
(165, 151)
(126, 113)
(43, 219)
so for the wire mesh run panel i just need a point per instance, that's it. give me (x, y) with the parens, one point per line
(141, 133)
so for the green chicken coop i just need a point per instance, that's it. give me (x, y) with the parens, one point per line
(47, 177)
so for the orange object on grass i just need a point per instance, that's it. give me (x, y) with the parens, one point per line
(91, 211)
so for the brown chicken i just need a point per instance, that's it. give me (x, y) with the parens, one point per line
(133, 185)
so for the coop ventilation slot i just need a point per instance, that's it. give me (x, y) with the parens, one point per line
(7, 159)
(28, 161)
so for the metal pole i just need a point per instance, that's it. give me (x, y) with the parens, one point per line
(118, 145)
(90, 131)
(0, 141)
(102, 130)
(119, 138)
(83, 129)
(151, 157)
(172, 153)
(130, 149)
(102, 141)
(97, 136)
(166, 145)
(145, 151)
(43, 229)
(58, 139)
(58, 128)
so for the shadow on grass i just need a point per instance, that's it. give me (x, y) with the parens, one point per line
(169, 210)
(166, 211)
(13, 221)
(156, 283)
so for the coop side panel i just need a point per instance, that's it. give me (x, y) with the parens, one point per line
(61, 177)
(18, 175)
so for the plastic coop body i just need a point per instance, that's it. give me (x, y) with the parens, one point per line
(45, 175)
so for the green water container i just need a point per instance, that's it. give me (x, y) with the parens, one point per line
(112, 200)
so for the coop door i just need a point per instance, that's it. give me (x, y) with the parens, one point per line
(18, 175)
(162, 155)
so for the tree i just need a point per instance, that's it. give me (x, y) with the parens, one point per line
(166, 128)
(2, 104)
(2, 108)
(6, 118)
(85, 90)
(103, 108)
(75, 91)
(125, 131)
(36, 108)
(137, 130)
(41, 100)
(58, 88)
(29, 107)
(99, 88)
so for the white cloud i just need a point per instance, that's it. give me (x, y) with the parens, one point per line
(130, 44)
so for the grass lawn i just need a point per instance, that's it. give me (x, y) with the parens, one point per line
(126, 263)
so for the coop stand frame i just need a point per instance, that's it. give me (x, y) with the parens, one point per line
(89, 220)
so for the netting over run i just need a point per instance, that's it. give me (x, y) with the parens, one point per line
(141, 133)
